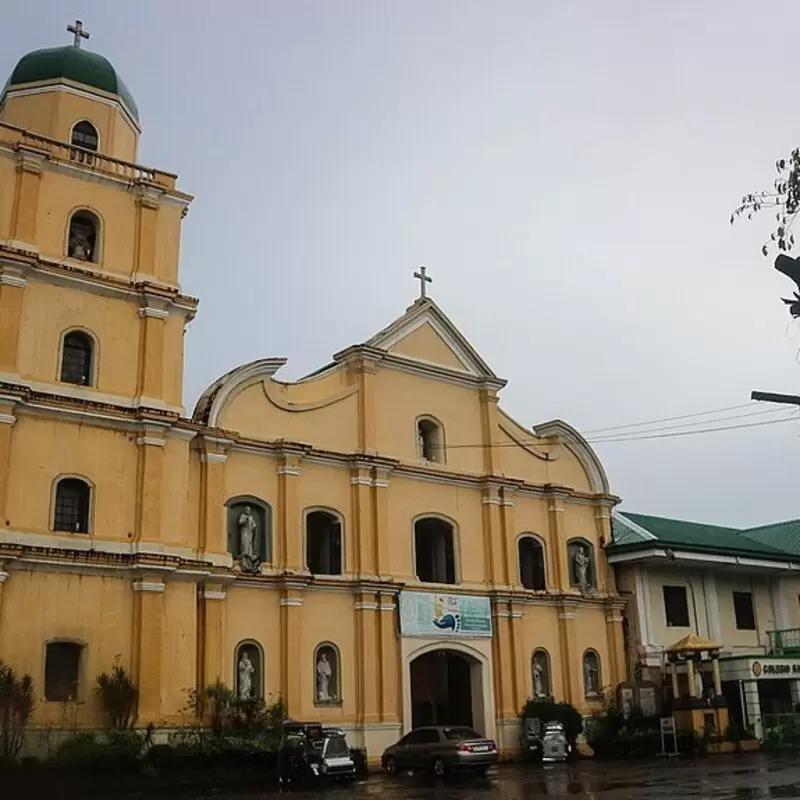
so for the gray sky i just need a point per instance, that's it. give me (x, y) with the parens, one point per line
(566, 171)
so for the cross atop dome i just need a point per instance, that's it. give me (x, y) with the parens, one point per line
(79, 32)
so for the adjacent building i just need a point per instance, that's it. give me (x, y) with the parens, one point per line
(739, 588)
(378, 544)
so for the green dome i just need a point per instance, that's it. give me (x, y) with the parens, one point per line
(74, 64)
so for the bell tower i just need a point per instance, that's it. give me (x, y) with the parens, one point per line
(90, 302)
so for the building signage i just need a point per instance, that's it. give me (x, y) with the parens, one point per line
(775, 669)
(444, 615)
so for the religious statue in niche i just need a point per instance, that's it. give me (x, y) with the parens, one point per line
(247, 526)
(541, 680)
(581, 565)
(81, 236)
(246, 670)
(591, 677)
(324, 679)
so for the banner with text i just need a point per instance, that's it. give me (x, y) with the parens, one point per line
(429, 614)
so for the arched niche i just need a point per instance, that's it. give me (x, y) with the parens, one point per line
(249, 521)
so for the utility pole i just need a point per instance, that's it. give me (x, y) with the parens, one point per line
(774, 397)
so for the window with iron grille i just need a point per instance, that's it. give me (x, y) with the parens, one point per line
(76, 360)
(71, 512)
(62, 665)
(744, 611)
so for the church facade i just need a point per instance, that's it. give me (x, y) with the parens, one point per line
(378, 544)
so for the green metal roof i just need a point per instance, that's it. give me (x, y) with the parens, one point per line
(75, 64)
(697, 536)
(783, 535)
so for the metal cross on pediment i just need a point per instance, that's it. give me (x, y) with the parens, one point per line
(423, 278)
(78, 31)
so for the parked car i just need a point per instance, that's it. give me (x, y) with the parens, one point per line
(441, 748)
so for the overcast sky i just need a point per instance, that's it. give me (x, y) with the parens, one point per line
(565, 170)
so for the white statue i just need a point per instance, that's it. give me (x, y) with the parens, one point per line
(698, 682)
(590, 676)
(581, 561)
(539, 682)
(246, 670)
(324, 673)
(247, 534)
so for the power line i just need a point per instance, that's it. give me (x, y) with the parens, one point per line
(635, 435)
(671, 419)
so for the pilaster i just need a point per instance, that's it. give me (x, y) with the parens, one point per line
(491, 460)
(363, 543)
(558, 541)
(147, 664)
(147, 203)
(380, 522)
(493, 542)
(151, 443)
(364, 370)
(213, 537)
(503, 652)
(368, 667)
(605, 572)
(7, 421)
(615, 646)
(12, 290)
(153, 313)
(289, 513)
(211, 635)
(3, 579)
(291, 605)
(30, 164)
(570, 668)
(390, 683)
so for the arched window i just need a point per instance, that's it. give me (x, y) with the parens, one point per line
(540, 673)
(531, 563)
(582, 572)
(84, 135)
(82, 239)
(434, 550)
(327, 675)
(430, 440)
(72, 503)
(323, 543)
(62, 671)
(249, 532)
(77, 360)
(249, 671)
(592, 682)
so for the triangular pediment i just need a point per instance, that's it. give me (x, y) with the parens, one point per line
(426, 335)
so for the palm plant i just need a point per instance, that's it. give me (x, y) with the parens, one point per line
(118, 696)
(16, 706)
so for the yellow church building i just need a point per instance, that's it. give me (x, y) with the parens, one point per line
(378, 543)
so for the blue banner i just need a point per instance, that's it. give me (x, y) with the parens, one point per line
(429, 614)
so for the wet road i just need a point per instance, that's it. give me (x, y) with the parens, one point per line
(750, 777)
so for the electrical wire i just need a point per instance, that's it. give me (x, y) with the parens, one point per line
(671, 419)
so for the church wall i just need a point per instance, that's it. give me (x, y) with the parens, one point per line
(43, 606)
(44, 448)
(333, 427)
(175, 531)
(51, 310)
(34, 112)
(426, 345)
(7, 187)
(409, 499)
(254, 614)
(515, 462)
(193, 498)
(590, 633)
(172, 373)
(401, 398)
(168, 238)
(566, 470)
(329, 617)
(179, 645)
(539, 629)
(531, 516)
(60, 194)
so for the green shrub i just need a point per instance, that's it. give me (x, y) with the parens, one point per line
(16, 706)
(118, 696)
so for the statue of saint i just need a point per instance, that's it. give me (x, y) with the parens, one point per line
(246, 670)
(247, 533)
(80, 245)
(590, 676)
(324, 673)
(539, 680)
(581, 562)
